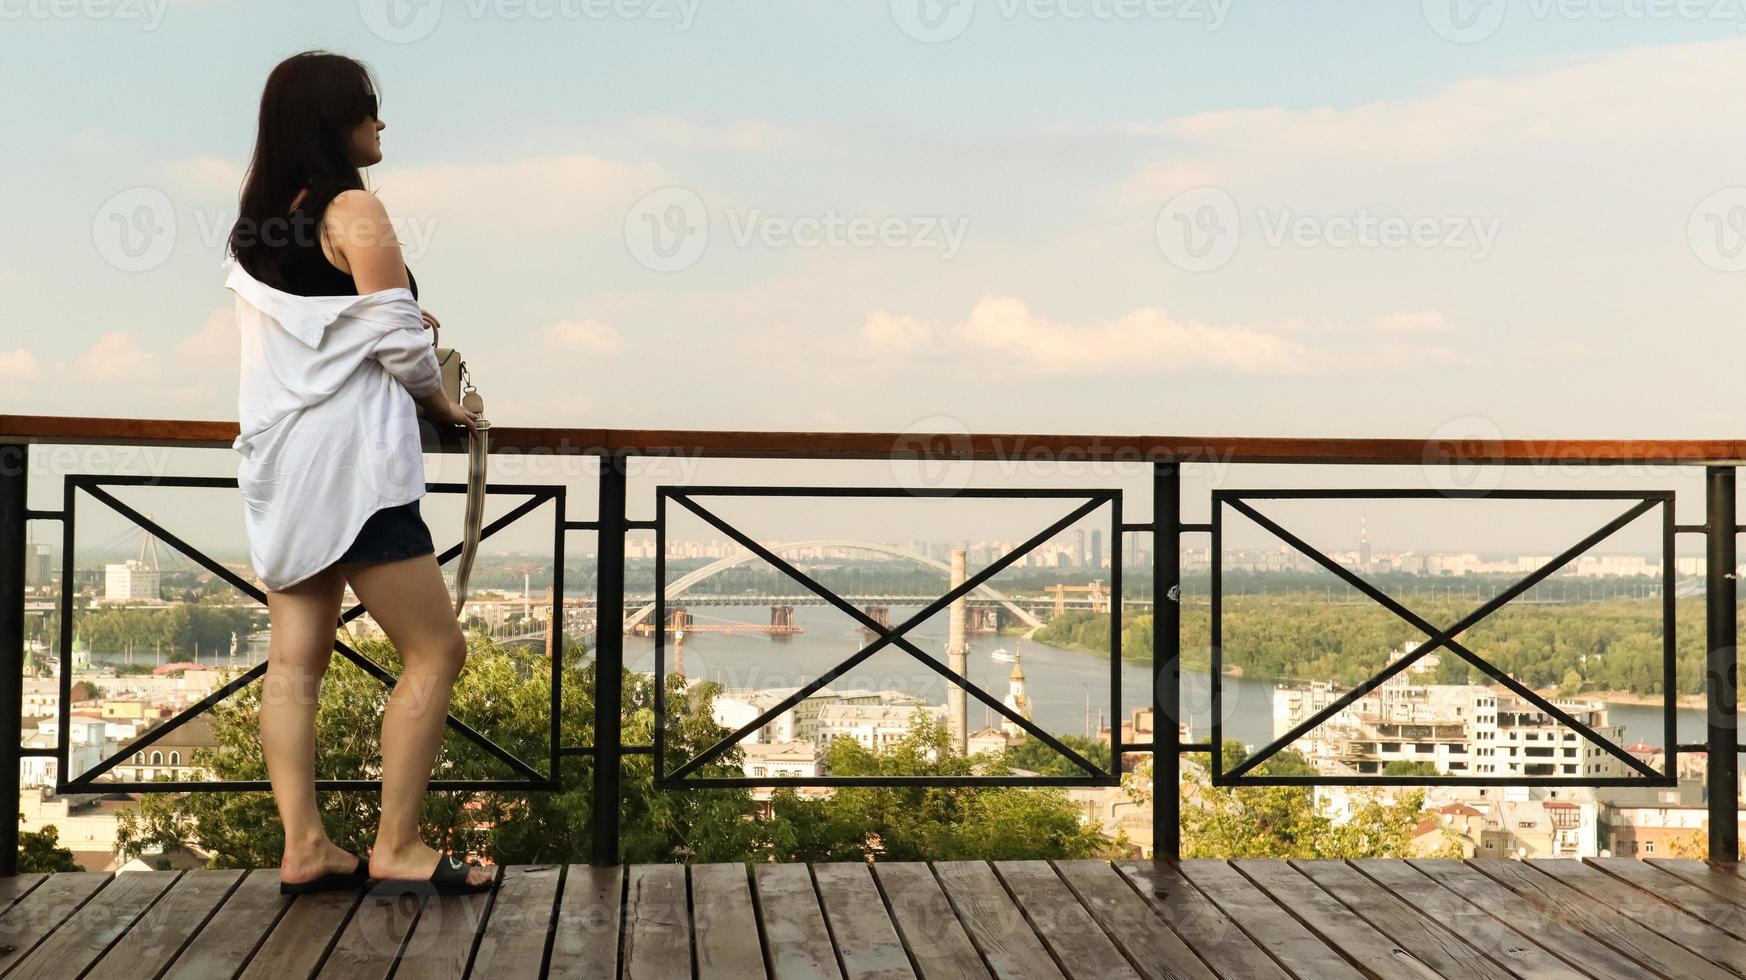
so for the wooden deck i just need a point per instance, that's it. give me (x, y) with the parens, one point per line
(1254, 920)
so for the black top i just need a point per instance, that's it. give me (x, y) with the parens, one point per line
(307, 270)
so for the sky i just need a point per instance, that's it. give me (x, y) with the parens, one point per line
(1200, 217)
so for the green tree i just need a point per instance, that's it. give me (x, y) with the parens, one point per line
(915, 822)
(1405, 767)
(1033, 755)
(41, 851)
(1571, 684)
(1283, 821)
(504, 693)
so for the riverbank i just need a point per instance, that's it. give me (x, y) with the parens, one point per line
(1691, 701)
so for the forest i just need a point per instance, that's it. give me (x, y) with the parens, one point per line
(1606, 645)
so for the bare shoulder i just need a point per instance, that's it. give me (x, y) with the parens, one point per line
(357, 204)
(356, 220)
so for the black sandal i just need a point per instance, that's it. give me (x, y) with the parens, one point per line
(448, 878)
(333, 881)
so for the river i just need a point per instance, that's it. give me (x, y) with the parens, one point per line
(1059, 681)
(1069, 689)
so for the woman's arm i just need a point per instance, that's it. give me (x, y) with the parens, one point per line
(364, 244)
(363, 241)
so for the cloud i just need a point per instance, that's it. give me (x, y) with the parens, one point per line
(17, 365)
(115, 356)
(743, 134)
(535, 194)
(1149, 341)
(897, 334)
(1615, 98)
(208, 175)
(215, 346)
(581, 337)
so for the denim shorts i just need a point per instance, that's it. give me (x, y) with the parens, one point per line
(390, 534)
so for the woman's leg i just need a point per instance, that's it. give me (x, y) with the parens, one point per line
(304, 618)
(410, 601)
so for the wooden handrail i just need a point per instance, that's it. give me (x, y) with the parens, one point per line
(1041, 448)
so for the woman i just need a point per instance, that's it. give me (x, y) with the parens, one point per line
(335, 354)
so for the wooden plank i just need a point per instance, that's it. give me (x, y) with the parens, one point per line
(1610, 925)
(225, 942)
(657, 926)
(46, 906)
(1440, 949)
(1065, 925)
(996, 925)
(16, 887)
(1203, 926)
(513, 942)
(1333, 923)
(159, 935)
(1720, 881)
(370, 944)
(585, 940)
(77, 943)
(860, 925)
(1730, 917)
(929, 929)
(796, 938)
(1652, 912)
(724, 922)
(302, 936)
(1295, 947)
(444, 934)
(1135, 926)
(1553, 926)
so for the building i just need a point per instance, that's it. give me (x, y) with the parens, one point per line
(1016, 698)
(988, 740)
(1137, 731)
(1096, 547)
(1652, 822)
(39, 569)
(87, 744)
(1460, 729)
(875, 726)
(737, 708)
(171, 756)
(85, 825)
(130, 581)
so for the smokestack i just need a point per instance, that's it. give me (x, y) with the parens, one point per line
(957, 651)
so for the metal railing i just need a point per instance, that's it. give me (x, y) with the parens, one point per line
(1165, 457)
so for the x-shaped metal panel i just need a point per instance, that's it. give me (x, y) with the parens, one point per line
(1444, 637)
(87, 780)
(884, 635)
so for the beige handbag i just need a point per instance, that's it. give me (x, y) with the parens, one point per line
(458, 387)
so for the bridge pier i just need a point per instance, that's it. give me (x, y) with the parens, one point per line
(879, 614)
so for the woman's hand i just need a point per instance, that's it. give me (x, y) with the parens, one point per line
(440, 411)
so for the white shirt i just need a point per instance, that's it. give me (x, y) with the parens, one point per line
(329, 430)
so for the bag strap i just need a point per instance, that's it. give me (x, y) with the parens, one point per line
(478, 452)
